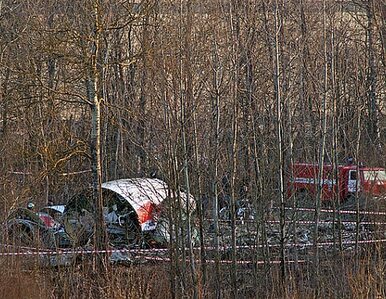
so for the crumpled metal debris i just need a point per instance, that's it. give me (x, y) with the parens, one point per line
(134, 213)
(26, 228)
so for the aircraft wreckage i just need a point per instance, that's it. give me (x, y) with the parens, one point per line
(135, 214)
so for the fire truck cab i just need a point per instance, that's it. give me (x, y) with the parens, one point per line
(339, 184)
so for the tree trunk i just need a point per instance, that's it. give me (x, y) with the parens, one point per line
(372, 77)
(93, 85)
(279, 138)
(321, 151)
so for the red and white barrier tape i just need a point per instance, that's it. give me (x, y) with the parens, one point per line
(302, 222)
(139, 251)
(337, 211)
(39, 251)
(293, 245)
(329, 222)
(166, 259)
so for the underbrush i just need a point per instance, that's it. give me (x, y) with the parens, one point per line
(339, 277)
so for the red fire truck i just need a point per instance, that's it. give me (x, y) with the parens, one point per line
(370, 181)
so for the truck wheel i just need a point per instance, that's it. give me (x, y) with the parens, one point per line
(351, 202)
(304, 199)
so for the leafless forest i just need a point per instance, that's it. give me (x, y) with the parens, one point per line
(216, 98)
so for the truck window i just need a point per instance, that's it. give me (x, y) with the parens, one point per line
(353, 175)
(374, 175)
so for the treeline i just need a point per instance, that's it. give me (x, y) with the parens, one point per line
(218, 67)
